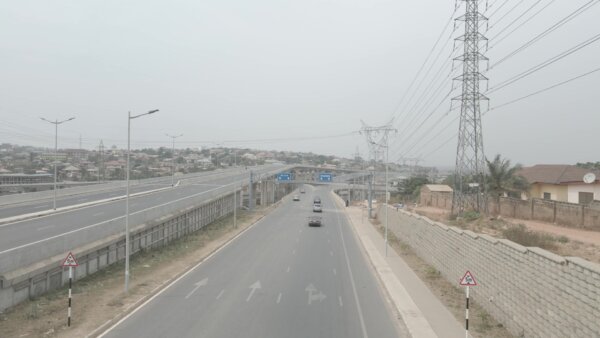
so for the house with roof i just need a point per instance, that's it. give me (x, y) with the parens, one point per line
(436, 195)
(562, 182)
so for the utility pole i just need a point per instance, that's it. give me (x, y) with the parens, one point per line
(377, 139)
(470, 159)
(100, 160)
(173, 159)
(250, 193)
(56, 123)
(127, 244)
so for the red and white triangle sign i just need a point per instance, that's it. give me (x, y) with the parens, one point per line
(70, 260)
(468, 280)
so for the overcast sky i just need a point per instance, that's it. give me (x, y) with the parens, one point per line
(252, 71)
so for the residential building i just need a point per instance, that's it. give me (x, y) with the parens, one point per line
(561, 182)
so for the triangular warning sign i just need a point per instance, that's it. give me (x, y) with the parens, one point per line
(468, 280)
(70, 260)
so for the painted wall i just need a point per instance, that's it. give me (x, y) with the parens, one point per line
(574, 189)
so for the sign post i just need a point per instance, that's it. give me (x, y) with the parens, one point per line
(70, 262)
(467, 280)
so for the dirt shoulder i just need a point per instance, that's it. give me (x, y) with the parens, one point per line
(559, 240)
(99, 298)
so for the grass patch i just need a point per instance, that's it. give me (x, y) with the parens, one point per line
(471, 216)
(520, 234)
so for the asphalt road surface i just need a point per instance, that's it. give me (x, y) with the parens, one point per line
(63, 201)
(89, 223)
(278, 279)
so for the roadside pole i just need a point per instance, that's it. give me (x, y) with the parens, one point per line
(70, 262)
(235, 206)
(468, 280)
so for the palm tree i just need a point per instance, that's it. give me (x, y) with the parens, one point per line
(502, 178)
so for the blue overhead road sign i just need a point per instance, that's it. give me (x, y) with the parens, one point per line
(284, 177)
(325, 177)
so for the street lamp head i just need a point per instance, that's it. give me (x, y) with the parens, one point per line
(152, 111)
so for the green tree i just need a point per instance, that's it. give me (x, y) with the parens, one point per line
(411, 187)
(502, 178)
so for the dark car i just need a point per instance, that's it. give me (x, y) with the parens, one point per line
(302, 191)
(314, 221)
(317, 200)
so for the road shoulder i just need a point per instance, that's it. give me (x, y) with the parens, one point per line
(423, 314)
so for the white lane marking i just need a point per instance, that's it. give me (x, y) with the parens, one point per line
(279, 298)
(98, 214)
(171, 283)
(340, 299)
(253, 289)
(288, 269)
(360, 313)
(104, 222)
(82, 199)
(197, 285)
(45, 227)
(335, 272)
(220, 294)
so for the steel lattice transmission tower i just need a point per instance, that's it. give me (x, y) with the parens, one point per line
(469, 176)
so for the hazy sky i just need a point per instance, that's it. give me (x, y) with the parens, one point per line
(243, 71)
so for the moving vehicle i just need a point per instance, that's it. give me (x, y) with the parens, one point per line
(314, 221)
(296, 198)
(302, 191)
(317, 200)
(317, 208)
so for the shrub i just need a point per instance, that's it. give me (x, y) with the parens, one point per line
(520, 234)
(470, 216)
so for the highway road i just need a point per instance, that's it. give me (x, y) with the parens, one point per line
(278, 279)
(42, 204)
(42, 236)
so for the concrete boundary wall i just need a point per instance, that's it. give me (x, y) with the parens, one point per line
(46, 275)
(531, 291)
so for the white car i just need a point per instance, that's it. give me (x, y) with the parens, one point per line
(317, 208)
(296, 198)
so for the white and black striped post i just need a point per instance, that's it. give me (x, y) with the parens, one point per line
(70, 285)
(467, 315)
(70, 262)
(467, 280)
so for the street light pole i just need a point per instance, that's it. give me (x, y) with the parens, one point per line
(56, 123)
(173, 159)
(127, 245)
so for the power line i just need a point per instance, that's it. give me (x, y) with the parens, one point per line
(544, 64)
(519, 26)
(394, 112)
(515, 20)
(546, 89)
(506, 14)
(549, 30)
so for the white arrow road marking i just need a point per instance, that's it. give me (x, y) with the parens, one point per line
(311, 294)
(198, 285)
(279, 298)
(253, 288)
(220, 294)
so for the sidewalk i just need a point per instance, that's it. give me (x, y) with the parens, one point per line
(421, 311)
